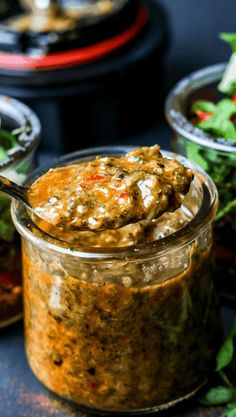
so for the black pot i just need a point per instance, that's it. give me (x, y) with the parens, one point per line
(103, 102)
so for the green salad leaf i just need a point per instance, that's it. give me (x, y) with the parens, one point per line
(224, 394)
(203, 105)
(3, 154)
(7, 142)
(218, 395)
(230, 410)
(222, 169)
(7, 231)
(219, 123)
(225, 354)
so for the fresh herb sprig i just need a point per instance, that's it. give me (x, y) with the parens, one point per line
(225, 393)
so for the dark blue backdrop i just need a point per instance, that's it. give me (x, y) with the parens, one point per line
(195, 27)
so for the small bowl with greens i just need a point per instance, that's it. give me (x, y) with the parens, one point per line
(201, 109)
(19, 136)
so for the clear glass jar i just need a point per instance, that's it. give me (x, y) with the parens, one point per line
(123, 329)
(14, 115)
(217, 158)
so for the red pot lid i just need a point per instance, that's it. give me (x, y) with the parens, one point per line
(74, 57)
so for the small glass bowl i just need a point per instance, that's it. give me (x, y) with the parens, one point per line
(215, 157)
(14, 115)
(123, 330)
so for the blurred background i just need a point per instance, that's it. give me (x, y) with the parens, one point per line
(116, 95)
(195, 28)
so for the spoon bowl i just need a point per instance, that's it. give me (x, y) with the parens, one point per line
(21, 194)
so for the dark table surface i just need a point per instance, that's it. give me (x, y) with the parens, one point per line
(22, 395)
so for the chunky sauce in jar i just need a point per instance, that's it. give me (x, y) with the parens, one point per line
(127, 332)
(109, 192)
(118, 336)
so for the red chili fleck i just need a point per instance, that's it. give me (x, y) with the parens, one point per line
(93, 384)
(95, 177)
(233, 118)
(9, 279)
(233, 98)
(123, 195)
(84, 185)
(203, 115)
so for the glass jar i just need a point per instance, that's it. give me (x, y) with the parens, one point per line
(123, 329)
(13, 115)
(218, 159)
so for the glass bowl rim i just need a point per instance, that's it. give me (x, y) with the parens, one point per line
(13, 108)
(172, 105)
(188, 233)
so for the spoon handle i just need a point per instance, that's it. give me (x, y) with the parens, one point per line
(14, 190)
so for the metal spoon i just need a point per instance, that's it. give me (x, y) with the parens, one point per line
(16, 191)
(21, 194)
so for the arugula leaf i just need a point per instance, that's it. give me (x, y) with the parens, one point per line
(203, 105)
(218, 395)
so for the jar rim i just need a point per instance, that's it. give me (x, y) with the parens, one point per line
(25, 117)
(206, 213)
(174, 104)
